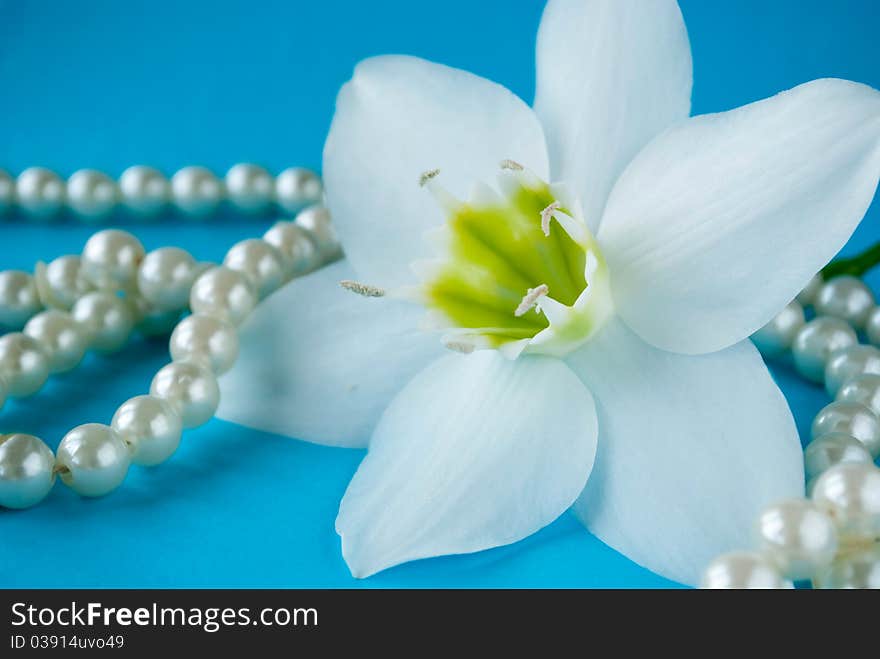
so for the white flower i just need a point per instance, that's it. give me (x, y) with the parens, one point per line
(704, 228)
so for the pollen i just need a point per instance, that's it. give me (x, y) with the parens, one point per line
(530, 299)
(364, 290)
(547, 215)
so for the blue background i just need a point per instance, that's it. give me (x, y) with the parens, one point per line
(110, 84)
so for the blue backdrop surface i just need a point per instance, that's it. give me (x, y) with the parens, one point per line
(108, 84)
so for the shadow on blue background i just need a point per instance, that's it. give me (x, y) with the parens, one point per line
(110, 84)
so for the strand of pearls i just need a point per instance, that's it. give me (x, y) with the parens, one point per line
(144, 192)
(93, 459)
(832, 537)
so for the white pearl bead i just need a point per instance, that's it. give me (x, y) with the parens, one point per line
(91, 194)
(297, 187)
(207, 340)
(864, 389)
(847, 298)
(833, 448)
(107, 318)
(847, 363)
(872, 326)
(196, 191)
(150, 427)
(859, 568)
(814, 343)
(854, 419)
(224, 293)
(850, 493)
(808, 295)
(249, 188)
(19, 298)
(165, 278)
(797, 537)
(39, 192)
(4, 390)
(7, 192)
(111, 258)
(144, 191)
(93, 459)
(26, 471)
(777, 336)
(23, 364)
(316, 220)
(742, 570)
(260, 262)
(62, 338)
(296, 248)
(191, 389)
(60, 284)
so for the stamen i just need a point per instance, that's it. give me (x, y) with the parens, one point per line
(512, 165)
(463, 347)
(427, 176)
(362, 289)
(547, 215)
(530, 299)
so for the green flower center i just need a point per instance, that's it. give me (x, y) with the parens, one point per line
(516, 270)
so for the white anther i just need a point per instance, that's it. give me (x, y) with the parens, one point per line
(530, 299)
(427, 176)
(362, 289)
(547, 215)
(512, 165)
(463, 347)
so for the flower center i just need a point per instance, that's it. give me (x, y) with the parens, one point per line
(517, 269)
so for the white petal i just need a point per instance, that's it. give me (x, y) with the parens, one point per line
(398, 118)
(720, 221)
(320, 363)
(692, 448)
(477, 451)
(612, 74)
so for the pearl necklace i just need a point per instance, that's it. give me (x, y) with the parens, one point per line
(92, 196)
(832, 537)
(95, 301)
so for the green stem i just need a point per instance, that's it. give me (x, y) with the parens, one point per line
(856, 265)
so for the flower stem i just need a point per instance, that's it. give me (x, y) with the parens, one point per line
(856, 265)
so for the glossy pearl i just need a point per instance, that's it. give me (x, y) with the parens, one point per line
(107, 318)
(91, 194)
(190, 389)
(808, 295)
(850, 493)
(224, 293)
(742, 570)
(260, 262)
(207, 340)
(144, 191)
(93, 459)
(62, 338)
(297, 187)
(853, 419)
(4, 391)
(296, 248)
(60, 284)
(23, 364)
(150, 427)
(797, 537)
(777, 336)
(39, 192)
(19, 298)
(833, 448)
(847, 298)
(249, 188)
(814, 343)
(165, 278)
(872, 326)
(111, 258)
(316, 220)
(7, 192)
(26, 471)
(847, 363)
(854, 569)
(864, 389)
(196, 192)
